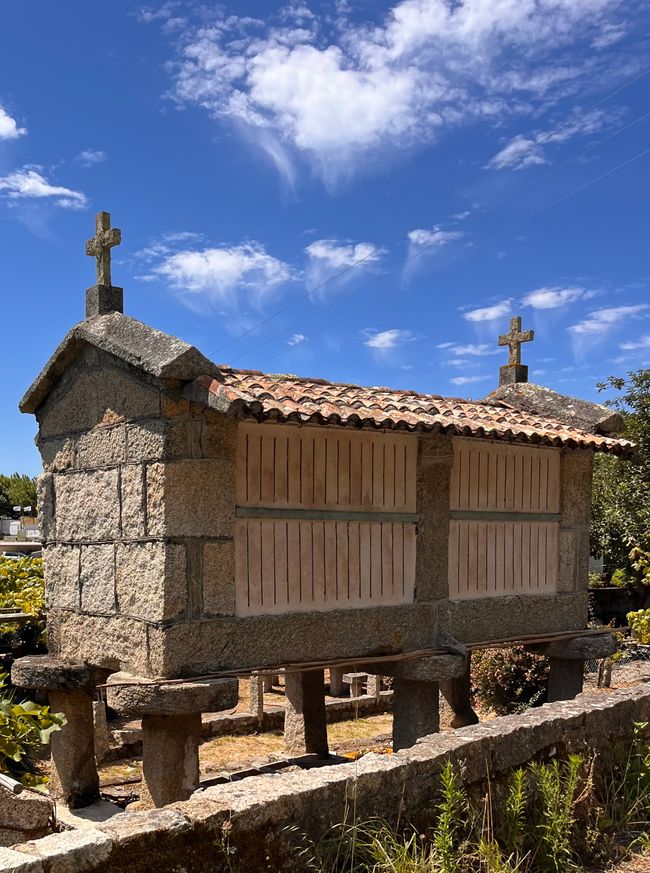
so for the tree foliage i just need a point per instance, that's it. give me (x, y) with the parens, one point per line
(18, 489)
(621, 494)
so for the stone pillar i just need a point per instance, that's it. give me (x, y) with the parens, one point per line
(74, 779)
(435, 461)
(102, 734)
(565, 679)
(270, 679)
(305, 727)
(355, 681)
(171, 729)
(415, 711)
(457, 693)
(257, 695)
(170, 758)
(567, 660)
(373, 686)
(337, 686)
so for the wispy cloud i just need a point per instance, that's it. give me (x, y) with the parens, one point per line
(489, 313)
(525, 151)
(601, 321)
(28, 183)
(296, 339)
(219, 275)
(8, 126)
(338, 93)
(91, 156)
(468, 380)
(637, 345)
(434, 238)
(337, 263)
(553, 297)
(385, 340)
(473, 349)
(610, 34)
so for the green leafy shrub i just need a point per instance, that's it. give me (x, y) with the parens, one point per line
(22, 589)
(24, 728)
(639, 621)
(509, 680)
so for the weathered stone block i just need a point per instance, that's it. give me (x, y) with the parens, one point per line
(151, 580)
(23, 816)
(116, 642)
(135, 695)
(132, 497)
(55, 674)
(62, 576)
(157, 439)
(101, 447)
(219, 437)
(45, 497)
(191, 498)
(98, 578)
(575, 486)
(90, 507)
(567, 560)
(305, 726)
(69, 851)
(91, 397)
(219, 578)
(57, 454)
(74, 778)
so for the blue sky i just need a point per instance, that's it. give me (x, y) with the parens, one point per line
(363, 191)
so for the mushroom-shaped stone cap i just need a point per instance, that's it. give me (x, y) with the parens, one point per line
(135, 695)
(55, 674)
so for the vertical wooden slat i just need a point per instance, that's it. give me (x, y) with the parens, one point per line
(389, 474)
(365, 562)
(399, 587)
(267, 468)
(377, 454)
(306, 562)
(344, 471)
(481, 558)
(342, 561)
(399, 474)
(525, 556)
(387, 561)
(241, 469)
(366, 472)
(292, 581)
(375, 559)
(491, 558)
(281, 583)
(254, 461)
(331, 473)
(330, 562)
(472, 555)
(267, 560)
(307, 475)
(472, 490)
(319, 470)
(281, 484)
(354, 560)
(355, 471)
(483, 479)
(318, 562)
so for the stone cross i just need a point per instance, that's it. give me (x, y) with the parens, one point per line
(101, 244)
(514, 339)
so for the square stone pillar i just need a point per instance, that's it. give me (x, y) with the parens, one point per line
(416, 711)
(305, 727)
(337, 685)
(458, 694)
(74, 779)
(565, 679)
(257, 683)
(373, 687)
(170, 758)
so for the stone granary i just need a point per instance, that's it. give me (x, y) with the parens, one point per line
(200, 519)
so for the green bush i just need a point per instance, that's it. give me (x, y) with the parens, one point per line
(639, 621)
(509, 680)
(22, 589)
(24, 728)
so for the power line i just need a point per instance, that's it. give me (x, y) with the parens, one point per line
(503, 230)
(424, 249)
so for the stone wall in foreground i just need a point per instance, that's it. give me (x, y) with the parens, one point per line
(189, 837)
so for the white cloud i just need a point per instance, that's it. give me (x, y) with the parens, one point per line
(222, 275)
(552, 298)
(384, 340)
(296, 339)
(474, 349)
(8, 127)
(467, 380)
(525, 151)
(91, 156)
(336, 263)
(635, 345)
(28, 183)
(601, 321)
(489, 313)
(340, 95)
(609, 35)
(434, 238)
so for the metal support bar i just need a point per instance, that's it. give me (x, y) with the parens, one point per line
(485, 515)
(324, 514)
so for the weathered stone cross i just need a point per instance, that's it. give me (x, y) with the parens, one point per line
(514, 339)
(101, 244)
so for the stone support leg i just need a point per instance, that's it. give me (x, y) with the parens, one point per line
(565, 679)
(305, 728)
(338, 687)
(170, 758)
(373, 686)
(257, 683)
(416, 711)
(457, 693)
(74, 780)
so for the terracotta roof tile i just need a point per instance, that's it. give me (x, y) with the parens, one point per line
(315, 401)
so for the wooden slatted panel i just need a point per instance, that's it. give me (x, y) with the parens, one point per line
(502, 477)
(297, 566)
(315, 468)
(495, 558)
